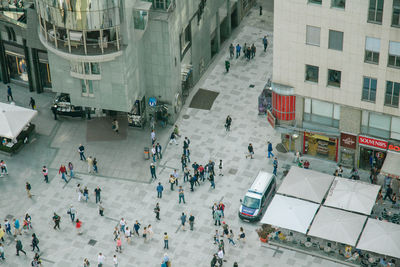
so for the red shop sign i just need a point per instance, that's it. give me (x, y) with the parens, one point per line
(348, 140)
(373, 142)
(271, 119)
(394, 147)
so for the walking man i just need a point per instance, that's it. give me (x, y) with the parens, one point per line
(81, 151)
(220, 168)
(183, 221)
(19, 247)
(270, 150)
(253, 51)
(28, 189)
(275, 164)
(100, 260)
(238, 47)
(45, 173)
(153, 153)
(191, 221)
(181, 195)
(153, 171)
(211, 179)
(97, 192)
(9, 94)
(251, 151)
(227, 65)
(265, 43)
(72, 213)
(389, 192)
(217, 217)
(172, 139)
(63, 172)
(160, 189)
(231, 51)
(228, 123)
(56, 220)
(158, 151)
(32, 103)
(165, 240)
(157, 211)
(153, 136)
(35, 242)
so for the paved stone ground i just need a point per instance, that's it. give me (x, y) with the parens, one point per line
(120, 162)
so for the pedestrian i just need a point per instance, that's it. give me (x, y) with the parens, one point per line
(340, 170)
(9, 94)
(79, 191)
(71, 169)
(230, 237)
(166, 261)
(32, 103)
(200, 171)
(270, 149)
(389, 192)
(181, 195)
(214, 260)
(238, 47)
(2, 233)
(176, 176)
(216, 237)
(275, 165)
(253, 51)
(153, 171)
(225, 229)
(172, 139)
(81, 151)
(153, 136)
(115, 261)
(191, 181)
(157, 211)
(235, 264)
(56, 220)
(186, 173)
(115, 126)
(221, 245)
(249, 52)
(7, 226)
(54, 110)
(17, 227)
(63, 172)
(128, 234)
(27, 222)
(160, 189)
(228, 122)
(227, 65)
(45, 173)
(136, 227)
(90, 164)
(220, 168)
(217, 217)
(2, 252)
(251, 151)
(86, 193)
(183, 221)
(28, 189)
(95, 169)
(166, 240)
(100, 260)
(373, 175)
(153, 153)
(159, 151)
(211, 179)
(3, 168)
(195, 166)
(119, 245)
(145, 236)
(191, 221)
(122, 224)
(19, 247)
(35, 242)
(307, 165)
(86, 263)
(265, 43)
(231, 51)
(97, 192)
(244, 50)
(187, 154)
(150, 232)
(242, 235)
(183, 161)
(172, 181)
(72, 212)
(260, 10)
(176, 131)
(101, 208)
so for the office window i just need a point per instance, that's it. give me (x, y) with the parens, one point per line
(335, 40)
(394, 54)
(396, 13)
(312, 73)
(319, 2)
(376, 124)
(313, 35)
(392, 94)
(375, 11)
(338, 3)
(321, 112)
(372, 48)
(87, 87)
(369, 89)
(334, 77)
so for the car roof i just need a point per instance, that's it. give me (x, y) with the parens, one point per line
(261, 182)
(253, 195)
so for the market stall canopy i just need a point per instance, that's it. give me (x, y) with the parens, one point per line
(352, 195)
(337, 225)
(13, 119)
(381, 237)
(290, 213)
(306, 184)
(391, 166)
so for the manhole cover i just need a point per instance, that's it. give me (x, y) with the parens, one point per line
(251, 85)
(9, 217)
(186, 116)
(233, 171)
(92, 242)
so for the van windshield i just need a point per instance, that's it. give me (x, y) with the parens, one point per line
(250, 202)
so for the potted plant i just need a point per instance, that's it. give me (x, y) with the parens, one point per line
(264, 232)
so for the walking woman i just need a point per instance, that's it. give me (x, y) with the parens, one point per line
(35, 242)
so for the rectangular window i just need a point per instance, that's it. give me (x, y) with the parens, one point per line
(396, 13)
(372, 48)
(338, 3)
(313, 35)
(394, 54)
(312, 73)
(376, 124)
(392, 94)
(375, 11)
(318, 2)
(321, 112)
(335, 40)
(87, 87)
(369, 89)
(185, 39)
(334, 77)
(85, 68)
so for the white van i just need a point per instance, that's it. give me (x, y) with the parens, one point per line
(258, 197)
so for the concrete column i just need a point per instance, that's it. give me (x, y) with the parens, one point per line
(218, 31)
(228, 17)
(239, 11)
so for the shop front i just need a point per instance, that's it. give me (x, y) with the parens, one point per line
(17, 68)
(372, 152)
(321, 146)
(348, 143)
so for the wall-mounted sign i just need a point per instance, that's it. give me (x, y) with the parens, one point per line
(394, 147)
(271, 119)
(348, 140)
(152, 101)
(363, 140)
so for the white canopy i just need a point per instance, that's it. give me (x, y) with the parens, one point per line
(306, 184)
(391, 166)
(381, 237)
(352, 195)
(13, 119)
(337, 225)
(290, 213)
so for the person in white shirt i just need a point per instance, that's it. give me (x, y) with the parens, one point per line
(122, 224)
(115, 260)
(220, 257)
(153, 137)
(100, 260)
(128, 235)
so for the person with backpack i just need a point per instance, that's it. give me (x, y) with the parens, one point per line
(35, 242)
(19, 247)
(56, 220)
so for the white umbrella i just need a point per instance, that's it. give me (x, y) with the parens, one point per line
(337, 225)
(290, 213)
(13, 119)
(381, 237)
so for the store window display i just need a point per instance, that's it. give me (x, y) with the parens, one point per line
(320, 146)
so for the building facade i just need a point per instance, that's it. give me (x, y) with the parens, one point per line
(132, 56)
(336, 71)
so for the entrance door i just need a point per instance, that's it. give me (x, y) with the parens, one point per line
(45, 77)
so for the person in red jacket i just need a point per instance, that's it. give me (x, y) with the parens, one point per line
(63, 172)
(221, 207)
(78, 226)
